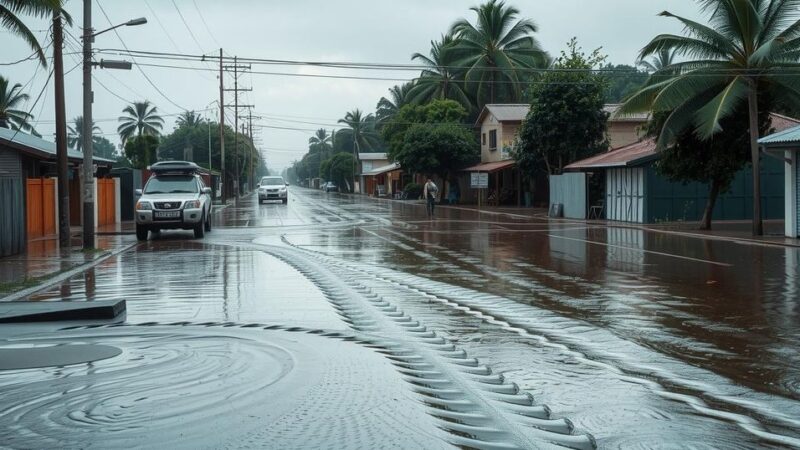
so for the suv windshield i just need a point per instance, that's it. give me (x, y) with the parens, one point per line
(172, 184)
(272, 181)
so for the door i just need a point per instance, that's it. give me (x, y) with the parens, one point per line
(106, 201)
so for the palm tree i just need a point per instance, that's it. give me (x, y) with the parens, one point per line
(10, 99)
(75, 135)
(361, 131)
(9, 18)
(439, 79)
(188, 119)
(142, 118)
(321, 143)
(663, 59)
(496, 51)
(388, 108)
(748, 47)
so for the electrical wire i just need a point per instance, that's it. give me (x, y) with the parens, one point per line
(134, 60)
(210, 33)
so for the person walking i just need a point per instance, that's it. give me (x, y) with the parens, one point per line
(429, 192)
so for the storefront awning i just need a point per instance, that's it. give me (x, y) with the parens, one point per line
(491, 166)
(382, 169)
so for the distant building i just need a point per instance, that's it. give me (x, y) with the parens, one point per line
(499, 125)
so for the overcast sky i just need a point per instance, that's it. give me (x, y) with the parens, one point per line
(311, 30)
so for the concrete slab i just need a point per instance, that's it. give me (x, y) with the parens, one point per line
(17, 312)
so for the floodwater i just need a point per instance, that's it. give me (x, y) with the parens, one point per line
(640, 339)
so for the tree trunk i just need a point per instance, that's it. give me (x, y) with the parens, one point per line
(752, 100)
(713, 193)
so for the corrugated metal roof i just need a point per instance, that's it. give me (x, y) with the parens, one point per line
(38, 146)
(382, 169)
(491, 166)
(782, 138)
(627, 156)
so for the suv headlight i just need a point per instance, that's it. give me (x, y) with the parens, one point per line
(283, 189)
(143, 206)
(192, 204)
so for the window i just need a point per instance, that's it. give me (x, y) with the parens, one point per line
(493, 140)
(171, 184)
(483, 139)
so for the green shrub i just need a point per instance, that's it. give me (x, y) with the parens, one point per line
(413, 190)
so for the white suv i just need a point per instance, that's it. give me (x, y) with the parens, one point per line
(174, 197)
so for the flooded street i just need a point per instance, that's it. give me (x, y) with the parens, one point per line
(631, 338)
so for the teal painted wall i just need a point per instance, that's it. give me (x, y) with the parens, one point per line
(669, 201)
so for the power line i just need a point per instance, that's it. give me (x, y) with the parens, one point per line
(134, 59)
(210, 33)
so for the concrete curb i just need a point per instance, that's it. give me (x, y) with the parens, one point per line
(46, 284)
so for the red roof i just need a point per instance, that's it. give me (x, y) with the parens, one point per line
(629, 155)
(491, 166)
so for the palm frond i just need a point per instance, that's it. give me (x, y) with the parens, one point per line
(709, 116)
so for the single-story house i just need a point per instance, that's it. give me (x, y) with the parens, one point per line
(499, 125)
(623, 185)
(786, 146)
(383, 181)
(366, 163)
(28, 190)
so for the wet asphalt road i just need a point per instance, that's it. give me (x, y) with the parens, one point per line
(642, 340)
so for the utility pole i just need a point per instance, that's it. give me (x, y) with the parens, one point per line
(61, 134)
(252, 145)
(235, 68)
(88, 161)
(222, 127)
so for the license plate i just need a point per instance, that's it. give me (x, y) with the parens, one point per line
(167, 214)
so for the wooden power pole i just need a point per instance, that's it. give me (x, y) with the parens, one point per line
(61, 134)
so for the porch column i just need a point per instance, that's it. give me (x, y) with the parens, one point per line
(790, 199)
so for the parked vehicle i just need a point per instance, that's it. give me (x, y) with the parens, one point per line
(273, 188)
(330, 186)
(174, 197)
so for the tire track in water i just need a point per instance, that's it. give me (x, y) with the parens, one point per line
(481, 409)
(578, 339)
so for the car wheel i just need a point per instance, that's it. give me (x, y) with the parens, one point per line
(199, 230)
(141, 232)
(208, 223)
(286, 200)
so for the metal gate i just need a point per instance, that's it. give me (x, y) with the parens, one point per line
(625, 194)
(106, 201)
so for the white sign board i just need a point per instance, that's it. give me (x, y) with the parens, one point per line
(479, 180)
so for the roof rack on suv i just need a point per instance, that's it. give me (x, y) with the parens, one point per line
(183, 167)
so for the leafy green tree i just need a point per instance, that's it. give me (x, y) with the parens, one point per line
(437, 111)
(747, 47)
(662, 59)
(320, 142)
(714, 162)
(623, 80)
(10, 10)
(188, 119)
(437, 148)
(496, 51)
(440, 79)
(141, 118)
(103, 148)
(339, 169)
(75, 134)
(566, 121)
(387, 108)
(141, 150)
(361, 131)
(10, 100)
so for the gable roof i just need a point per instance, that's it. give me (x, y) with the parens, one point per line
(504, 112)
(517, 112)
(40, 148)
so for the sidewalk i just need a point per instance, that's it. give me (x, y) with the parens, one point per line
(45, 263)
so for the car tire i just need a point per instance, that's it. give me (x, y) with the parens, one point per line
(199, 230)
(208, 222)
(141, 232)
(285, 201)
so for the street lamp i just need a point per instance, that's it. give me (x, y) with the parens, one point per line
(88, 98)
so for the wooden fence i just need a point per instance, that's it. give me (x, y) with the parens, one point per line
(106, 201)
(41, 207)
